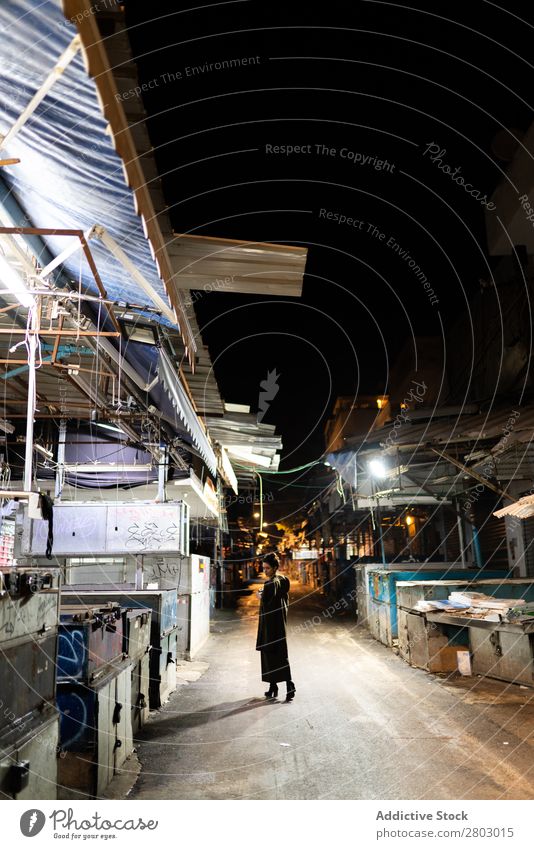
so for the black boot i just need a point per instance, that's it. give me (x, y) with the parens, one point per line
(291, 690)
(272, 692)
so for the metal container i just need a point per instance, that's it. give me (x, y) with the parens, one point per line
(503, 651)
(92, 529)
(163, 603)
(95, 732)
(136, 627)
(29, 758)
(27, 676)
(427, 645)
(163, 635)
(139, 693)
(29, 602)
(163, 669)
(90, 638)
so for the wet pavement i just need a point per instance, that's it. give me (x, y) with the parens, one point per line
(363, 725)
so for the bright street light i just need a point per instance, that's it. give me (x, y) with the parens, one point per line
(377, 468)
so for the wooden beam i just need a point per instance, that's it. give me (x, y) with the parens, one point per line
(56, 343)
(98, 281)
(473, 474)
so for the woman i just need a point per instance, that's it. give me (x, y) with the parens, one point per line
(271, 640)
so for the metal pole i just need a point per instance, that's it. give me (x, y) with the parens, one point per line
(30, 409)
(60, 458)
(162, 474)
(379, 520)
(461, 537)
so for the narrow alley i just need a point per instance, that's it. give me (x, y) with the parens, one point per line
(364, 724)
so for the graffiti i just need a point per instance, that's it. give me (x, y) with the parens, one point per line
(163, 570)
(75, 722)
(150, 536)
(71, 653)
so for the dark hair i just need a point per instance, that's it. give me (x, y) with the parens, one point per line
(272, 560)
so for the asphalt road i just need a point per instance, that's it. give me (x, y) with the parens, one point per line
(364, 724)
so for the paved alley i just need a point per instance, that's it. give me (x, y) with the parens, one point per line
(364, 725)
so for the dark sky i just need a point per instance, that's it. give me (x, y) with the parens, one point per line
(372, 79)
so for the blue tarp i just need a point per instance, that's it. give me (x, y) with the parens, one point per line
(69, 176)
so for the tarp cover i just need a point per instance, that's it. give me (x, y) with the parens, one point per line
(69, 175)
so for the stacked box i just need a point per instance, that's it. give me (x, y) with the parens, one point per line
(163, 636)
(93, 696)
(95, 731)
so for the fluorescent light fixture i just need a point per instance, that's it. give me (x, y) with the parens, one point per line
(6, 426)
(110, 427)
(139, 333)
(13, 283)
(85, 468)
(377, 468)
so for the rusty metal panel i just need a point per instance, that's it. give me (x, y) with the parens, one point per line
(507, 655)
(90, 638)
(27, 676)
(94, 725)
(404, 639)
(137, 623)
(139, 693)
(163, 670)
(29, 602)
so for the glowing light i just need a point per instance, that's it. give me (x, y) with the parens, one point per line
(377, 468)
(409, 520)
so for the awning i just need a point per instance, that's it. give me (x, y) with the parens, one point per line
(202, 499)
(71, 176)
(228, 265)
(184, 408)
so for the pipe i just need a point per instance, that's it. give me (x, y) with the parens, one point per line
(21, 369)
(32, 389)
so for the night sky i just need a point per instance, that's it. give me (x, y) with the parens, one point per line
(365, 88)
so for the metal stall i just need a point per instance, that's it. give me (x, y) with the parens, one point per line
(382, 584)
(29, 730)
(164, 630)
(430, 640)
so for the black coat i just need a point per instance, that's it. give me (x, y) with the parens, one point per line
(271, 640)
